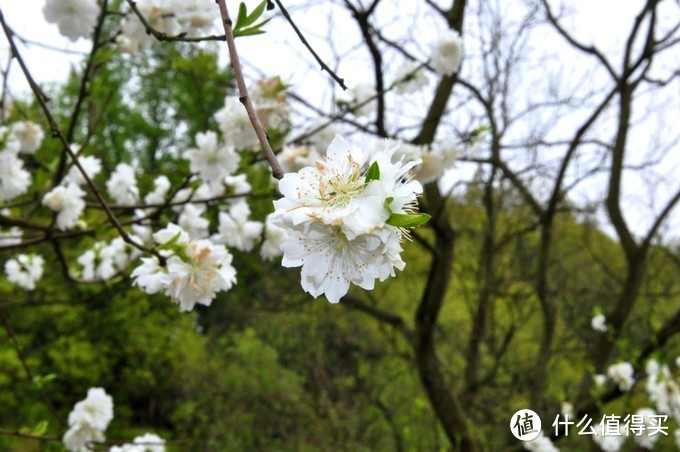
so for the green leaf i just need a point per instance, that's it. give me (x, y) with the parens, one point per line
(170, 244)
(40, 428)
(373, 173)
(257, 12)
(249, 31)
(408, 220)
(242, 16)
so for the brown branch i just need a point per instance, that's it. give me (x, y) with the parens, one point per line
(277, 171)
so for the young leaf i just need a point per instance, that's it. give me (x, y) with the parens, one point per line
(170, 244)
(40, 428)
(242, 16)
(257, 12)
(373, 173)
(408, 220)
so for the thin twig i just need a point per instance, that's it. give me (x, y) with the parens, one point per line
(56, 132)
(159, 35)
(277, 171)
(324, 66)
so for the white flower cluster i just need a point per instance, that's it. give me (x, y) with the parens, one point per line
(431, 161)
(340, 217)
(194, 271)
(270, 105)
(12, 236)
(75, 18)
(599, 323)
(20, 138)
(104, 260)
(540, 444)
(447, 53)
(172, 17)
(88, 420)
(148, 442)
(66, 199)
(662, 389)
(122, 185)
(623, 375)
(25, 270)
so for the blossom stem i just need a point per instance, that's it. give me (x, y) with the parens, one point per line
(277, 171)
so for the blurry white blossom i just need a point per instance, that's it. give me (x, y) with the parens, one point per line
(598, 323)
(540, 444)
(194, 273)
(28, 134)
(25, 270)
(89, 419)
(122, 185)
(274, 237)
(236, 230)
(92, 166)
(447, 53)
(235, 125)
(210, 159)
(68, 202)
(623, 375)
(75, 18)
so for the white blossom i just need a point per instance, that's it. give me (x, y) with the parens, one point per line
(194, 272)
(78, 436)
(13, 236)
(410, 78)
(88, 420)
(650, 420)
(25, 270)
(274, 237)
(600, 379)
(160, 14)
(161, 185)
(191, 221)
(14, 179)
(447, 53)
(609, 443)
(122, 185)
(236, 230)
(235, 125)
(196, 279)
(622, 374)
(196, 17)
(28, 134)
(330, 261)
(75, 18)
(148, 442)
(212, 161)
(68, 202)
(540, 444)
(96, 410)
(598, 323)
(294, 158)
(238, 184)
(92, 166)
(336, 218)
